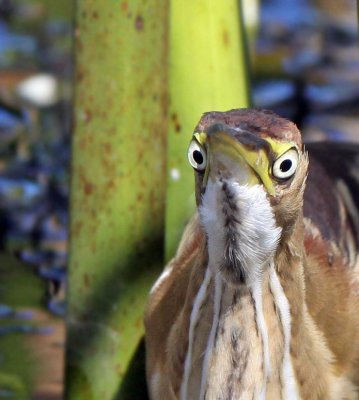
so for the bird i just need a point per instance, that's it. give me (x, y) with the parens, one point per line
(261, 300)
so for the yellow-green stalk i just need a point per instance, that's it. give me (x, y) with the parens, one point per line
(207, 72)
(117, 190)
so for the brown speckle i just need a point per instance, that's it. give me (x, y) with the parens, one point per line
(107, 148)
(88, 188)
(88, 116)
(225, 37)
(139, 23)
(177, 125)
(80, 74)
(77, 228)
(293, 352)
(234, 336)
(124, 6)
(111, 184)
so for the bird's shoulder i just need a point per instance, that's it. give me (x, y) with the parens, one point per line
(331, 222)
(170, 288)
(331, 198)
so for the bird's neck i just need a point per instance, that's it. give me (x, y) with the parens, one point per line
(310, 357)
(257, 339)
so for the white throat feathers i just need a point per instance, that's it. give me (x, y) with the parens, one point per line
(241, 230)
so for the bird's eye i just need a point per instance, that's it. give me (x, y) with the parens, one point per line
(285, 166)
(197, 156)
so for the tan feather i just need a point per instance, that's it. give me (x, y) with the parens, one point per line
(208, 337)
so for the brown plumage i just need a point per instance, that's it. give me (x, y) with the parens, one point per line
(281, 322)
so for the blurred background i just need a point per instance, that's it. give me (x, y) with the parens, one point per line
(304, 65)
(36, 65)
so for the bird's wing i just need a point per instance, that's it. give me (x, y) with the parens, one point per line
(166, 301)
(331, 199)
(331, 204)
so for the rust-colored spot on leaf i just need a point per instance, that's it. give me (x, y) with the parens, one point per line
(95, 15)
(138, 323)
(139, 23)
(88, 116)
(140, 154)
(111, 184)
(176, 123)
(80, 74)
(88, 188)
(225, 37)
(77, 228)
(107, 148)
(124, 6)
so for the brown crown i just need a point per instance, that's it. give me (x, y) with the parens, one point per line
(263, 123)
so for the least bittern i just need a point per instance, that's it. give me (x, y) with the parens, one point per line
(262, 298)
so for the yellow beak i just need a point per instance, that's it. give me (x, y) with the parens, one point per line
(239, 154)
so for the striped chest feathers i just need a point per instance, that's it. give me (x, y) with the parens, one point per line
(239, 327)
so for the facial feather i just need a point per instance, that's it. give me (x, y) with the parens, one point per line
(241, 229)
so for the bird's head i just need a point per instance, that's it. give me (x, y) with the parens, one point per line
(250, 169)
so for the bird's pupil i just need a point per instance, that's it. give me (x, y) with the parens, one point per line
(286, 165)
(198, 157)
